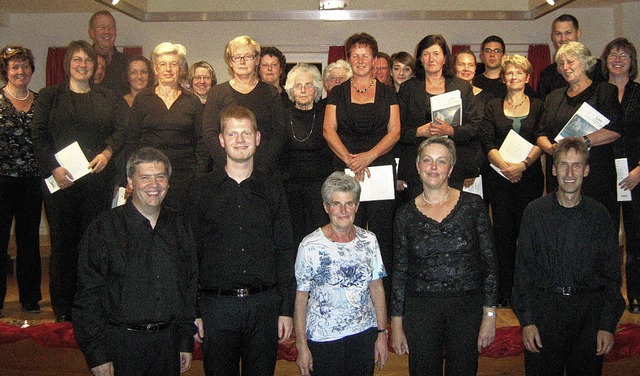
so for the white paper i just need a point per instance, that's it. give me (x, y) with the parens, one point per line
(73, 159)
(447, 107)
(119, 197)
(476, 187)
(585, 121)
(379, 186)
(514, 149)
(622, 171)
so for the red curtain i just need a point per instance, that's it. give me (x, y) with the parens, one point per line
(458, 47)
(336, 53)
(55, 66)
(540, 57)
(55, 62)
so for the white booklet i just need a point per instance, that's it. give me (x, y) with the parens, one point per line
(119, 197)
(73, 159)
(476, 187)
(447, 107)
(585, 121)
(380, 186)
(514, 149)
(622, 171)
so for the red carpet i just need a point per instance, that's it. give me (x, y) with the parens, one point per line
(508, 340)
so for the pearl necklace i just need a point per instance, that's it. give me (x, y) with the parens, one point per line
(15, 97)
(424, 197)
(353, 84)
(313, 121)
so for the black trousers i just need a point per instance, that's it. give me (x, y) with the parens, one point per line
(568, 327)
(443, 327)
(631, 215)
(508, 201)
(69, 213)
(136, 353)
(240, 334)
(305, 206)
(349, 356)
(21, 198)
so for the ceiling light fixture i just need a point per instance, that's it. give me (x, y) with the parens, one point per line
(114, 2)
(333, 4)
(551, 2)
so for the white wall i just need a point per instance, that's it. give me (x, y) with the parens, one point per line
(206, 40)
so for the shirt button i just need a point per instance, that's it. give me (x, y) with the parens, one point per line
(242, 249)
(244, 272)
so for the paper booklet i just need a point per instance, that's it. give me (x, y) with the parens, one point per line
(380, 186)
(73, 159)
(447, 107)
(622, 171)
(476, 187)
(514, 149)
(585, 121)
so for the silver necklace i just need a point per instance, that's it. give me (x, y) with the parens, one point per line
(16, 98)
(313, 121)
(424, 197)
(353, 84)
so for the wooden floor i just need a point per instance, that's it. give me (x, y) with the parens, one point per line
(28, 358)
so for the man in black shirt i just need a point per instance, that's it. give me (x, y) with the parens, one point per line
(566, 290)
(492, 50)
(137, 281)
(240, 219)
(564, 29)
(103, 32)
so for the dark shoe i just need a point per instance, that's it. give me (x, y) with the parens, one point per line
(32, 307)
(63, 318)
(634, 305)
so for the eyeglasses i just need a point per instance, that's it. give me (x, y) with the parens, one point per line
(79, 60)
(237, 59)
(619, 55)
(381, 68)
(496, 51)
(202, 78)
(165, 64)
(338, 79)
(105, 28)
(308, 86)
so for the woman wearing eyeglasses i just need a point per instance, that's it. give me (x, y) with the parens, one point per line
(168, 118)
(75, 111)
(245, 88)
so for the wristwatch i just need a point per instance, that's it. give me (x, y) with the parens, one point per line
(587, 141)
(385, 331)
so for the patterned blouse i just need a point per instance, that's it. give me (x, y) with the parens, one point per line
(16, 149)
(337, 276)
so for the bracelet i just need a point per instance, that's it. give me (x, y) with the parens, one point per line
(489, 314)
(526, 165)
(381, 331)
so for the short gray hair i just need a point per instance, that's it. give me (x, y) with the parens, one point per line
(578, 51)
(341, 64)
(340, 182)
(439, 140)
(147, 155)
(299, 69)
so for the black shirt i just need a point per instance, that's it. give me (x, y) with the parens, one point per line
(243, 234)
(496, 87)
(115, 77)
(551, 79)
(561, 247)
(132, 274)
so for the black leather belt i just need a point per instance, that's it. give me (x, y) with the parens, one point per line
(150, 328)
(240, 293)
(570, 290)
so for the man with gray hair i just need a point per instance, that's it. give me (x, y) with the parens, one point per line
(134, 310)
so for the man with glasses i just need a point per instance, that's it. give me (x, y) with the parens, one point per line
(491, 52)
(564, 29)
(381, 68)
(103, 32)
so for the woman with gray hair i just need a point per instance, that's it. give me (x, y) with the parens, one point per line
(202, 78)
(340, 314)
(336, 73)
(168, 118)
(574, 62)
(307, 159)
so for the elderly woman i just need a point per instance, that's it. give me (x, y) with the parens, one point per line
(75, 110)
(403, 67)
(508, 198)
(336, 73)
(202, 77)
(340, 314)
(574, 61)
(307, 157)
(361, 126)
(139, 76)
(20, 195)
(242, 55)
(168, 118)
(434, 76)
(621, 69)
(444, 282)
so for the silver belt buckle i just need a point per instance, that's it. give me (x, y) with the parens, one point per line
(566, 291)
(242, 293)
(153, 327)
